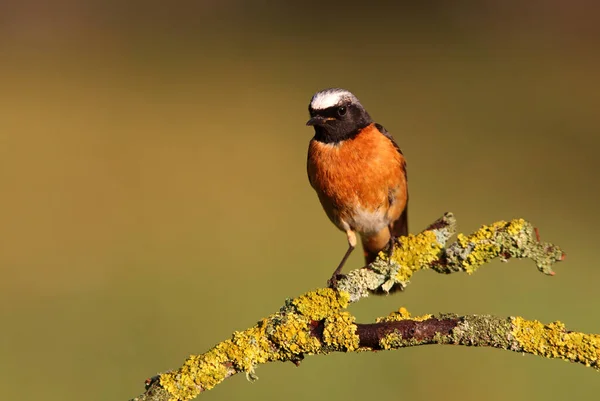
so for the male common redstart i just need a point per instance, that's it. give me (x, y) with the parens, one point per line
(358, 172)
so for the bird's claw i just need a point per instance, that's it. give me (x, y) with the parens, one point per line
(390, 250)
(333, 281)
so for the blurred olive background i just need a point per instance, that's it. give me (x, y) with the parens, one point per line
(154, 196)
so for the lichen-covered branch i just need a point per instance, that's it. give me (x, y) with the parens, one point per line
(431, 249)
(318, 322)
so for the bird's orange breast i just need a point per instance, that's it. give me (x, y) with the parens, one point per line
(359, 180)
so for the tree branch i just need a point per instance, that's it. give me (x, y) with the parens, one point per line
(430, 250)
(318, 322)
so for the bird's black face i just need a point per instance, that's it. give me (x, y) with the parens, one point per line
(338, 123)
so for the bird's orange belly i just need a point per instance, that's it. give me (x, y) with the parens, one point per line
(359, 182)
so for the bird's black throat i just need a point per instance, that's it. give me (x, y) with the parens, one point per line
(334, 127)
(339, 131)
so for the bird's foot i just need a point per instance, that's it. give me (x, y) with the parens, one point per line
(333, 281)
(391, 245)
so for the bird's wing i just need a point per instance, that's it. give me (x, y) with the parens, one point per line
(400, 226)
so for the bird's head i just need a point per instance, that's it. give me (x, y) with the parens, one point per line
(336, 115)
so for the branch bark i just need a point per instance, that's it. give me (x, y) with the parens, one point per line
(318, 322)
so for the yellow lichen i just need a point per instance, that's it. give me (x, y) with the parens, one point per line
(515, 226)
(554, 341)
(197, 373)
(327, 304)
(247, 349)
(340, 331)
(317, 305)
(292, 335)
(485, 243)
(389, 341)
(242, 352)
(278, 337)
(402, 314)
(415, 252)
(462, 240)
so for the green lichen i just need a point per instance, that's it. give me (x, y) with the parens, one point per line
(359, 282)
(554, 341)
(481, 330)
(395, 340)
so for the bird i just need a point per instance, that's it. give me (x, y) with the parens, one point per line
(358, 172)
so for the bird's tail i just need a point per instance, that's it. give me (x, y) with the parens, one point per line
(372, 245)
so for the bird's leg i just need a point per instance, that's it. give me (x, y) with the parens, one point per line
(392, 242)
(332, 283)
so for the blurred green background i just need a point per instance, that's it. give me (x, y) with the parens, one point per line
(154, 195)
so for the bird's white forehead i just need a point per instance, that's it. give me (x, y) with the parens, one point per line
(330, 97)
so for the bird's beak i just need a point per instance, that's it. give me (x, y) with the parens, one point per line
(318, 120)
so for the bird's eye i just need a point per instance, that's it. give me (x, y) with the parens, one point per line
(341, 111)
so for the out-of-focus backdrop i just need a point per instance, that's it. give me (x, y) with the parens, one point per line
(153, 195)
